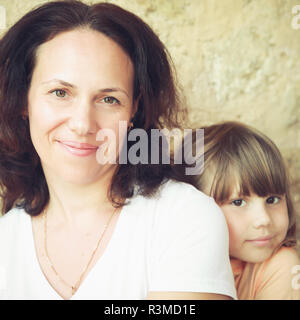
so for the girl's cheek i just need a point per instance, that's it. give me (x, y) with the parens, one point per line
(233, 235)
(232, 229)
(235, 241)
(283, 218)
(285, 224)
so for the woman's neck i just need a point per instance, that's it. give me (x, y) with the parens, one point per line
(74, 203)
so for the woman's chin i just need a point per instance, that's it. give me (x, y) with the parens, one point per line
(83, 175)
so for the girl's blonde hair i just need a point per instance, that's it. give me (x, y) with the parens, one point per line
(238, 155)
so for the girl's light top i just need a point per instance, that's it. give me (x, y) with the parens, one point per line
(277, 278)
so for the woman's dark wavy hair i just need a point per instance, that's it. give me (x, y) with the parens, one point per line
(22, 180)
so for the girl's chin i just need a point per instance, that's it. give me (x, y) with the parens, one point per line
(256, 257)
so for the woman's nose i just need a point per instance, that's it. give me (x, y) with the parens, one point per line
(82, 121)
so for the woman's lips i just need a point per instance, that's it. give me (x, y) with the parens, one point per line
(78, 149)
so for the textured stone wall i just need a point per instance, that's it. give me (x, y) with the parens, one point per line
(236, 60)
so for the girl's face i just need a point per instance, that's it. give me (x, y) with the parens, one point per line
(82, 82)
(257, 225)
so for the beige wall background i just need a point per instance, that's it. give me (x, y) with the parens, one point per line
(236, 60)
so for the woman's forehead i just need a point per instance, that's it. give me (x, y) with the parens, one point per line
(82, 57)
(85, 43)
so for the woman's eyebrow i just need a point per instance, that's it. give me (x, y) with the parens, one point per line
(67, 84)
(64, 83)
(114, 90)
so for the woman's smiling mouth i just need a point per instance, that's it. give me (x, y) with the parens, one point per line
(78, 149)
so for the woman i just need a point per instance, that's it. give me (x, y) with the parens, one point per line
(75, 228)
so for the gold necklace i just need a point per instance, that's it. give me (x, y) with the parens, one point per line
(77, 284)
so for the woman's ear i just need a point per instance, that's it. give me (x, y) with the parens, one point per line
(135, 106)
(24, 114)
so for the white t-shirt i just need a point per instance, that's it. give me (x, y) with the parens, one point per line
(176, 241)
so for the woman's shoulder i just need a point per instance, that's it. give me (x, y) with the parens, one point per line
(172, 192)
(13, 218)
(181, 192)
(182, 204)
(13, 214)
(184, 197)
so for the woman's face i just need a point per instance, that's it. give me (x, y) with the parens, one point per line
(82, 83)
(257, 225)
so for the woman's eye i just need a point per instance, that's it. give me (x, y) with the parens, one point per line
(273, 200)
(59, 93)
(111, 100)
(238, 202)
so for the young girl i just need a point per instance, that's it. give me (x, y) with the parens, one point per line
(245, 173)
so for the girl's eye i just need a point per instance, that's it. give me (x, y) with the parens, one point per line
(59, 93)
(111, 100)
(273, 200)
(238, 202)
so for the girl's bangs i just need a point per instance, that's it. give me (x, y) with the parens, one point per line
(260, 171)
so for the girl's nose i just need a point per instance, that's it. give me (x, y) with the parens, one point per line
(261, 217)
